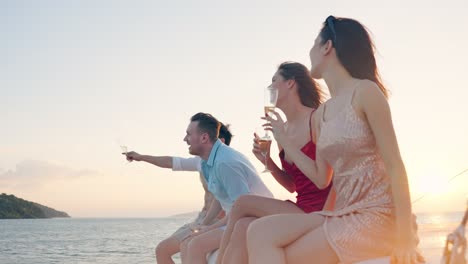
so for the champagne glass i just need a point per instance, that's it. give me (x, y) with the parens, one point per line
(264, 143)
(270, 98)
(124, 150)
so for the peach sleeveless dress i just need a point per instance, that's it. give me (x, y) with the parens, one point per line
(362, 224)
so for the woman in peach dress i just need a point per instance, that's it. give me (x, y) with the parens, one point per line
(356, 143)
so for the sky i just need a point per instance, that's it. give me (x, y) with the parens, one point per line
(80, 78)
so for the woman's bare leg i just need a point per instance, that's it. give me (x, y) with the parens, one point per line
(268, 237)
(253, 206)
(236, 251)
(184, 249)
(200, 245)
(313, 245)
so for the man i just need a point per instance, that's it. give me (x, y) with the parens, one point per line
(229, 175)
(211, 208)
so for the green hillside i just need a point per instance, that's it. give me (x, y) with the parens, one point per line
(12, 207)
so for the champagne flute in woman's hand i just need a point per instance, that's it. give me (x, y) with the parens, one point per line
(264, 143)
(270, 98)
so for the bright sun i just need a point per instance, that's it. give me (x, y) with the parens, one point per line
(434, 185)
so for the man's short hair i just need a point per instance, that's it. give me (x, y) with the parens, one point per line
(207, 124)
(225, 133)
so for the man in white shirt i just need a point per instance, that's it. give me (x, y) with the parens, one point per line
(229, 175)
(211, 208)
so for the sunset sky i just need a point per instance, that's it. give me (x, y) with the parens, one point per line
(80, 78)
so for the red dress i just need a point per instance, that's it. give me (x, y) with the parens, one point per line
(309, 198)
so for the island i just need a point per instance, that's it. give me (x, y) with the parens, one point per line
(12, 207)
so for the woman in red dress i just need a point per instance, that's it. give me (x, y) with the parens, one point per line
(298, 97)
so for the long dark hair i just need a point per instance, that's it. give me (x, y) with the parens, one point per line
(309, 91)
(225, 133)
(354, 48)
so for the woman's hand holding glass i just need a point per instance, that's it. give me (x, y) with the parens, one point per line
(276, 125)
(262, 140)
(261, 147)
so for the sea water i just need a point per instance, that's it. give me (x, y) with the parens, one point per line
(133, 240)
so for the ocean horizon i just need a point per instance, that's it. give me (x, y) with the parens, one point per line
(132, 240)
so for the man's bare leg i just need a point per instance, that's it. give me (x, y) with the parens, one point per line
(166, 249)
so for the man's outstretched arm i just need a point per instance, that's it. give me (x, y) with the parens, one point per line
(160, 161)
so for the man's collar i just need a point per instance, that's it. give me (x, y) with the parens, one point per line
(214, 151)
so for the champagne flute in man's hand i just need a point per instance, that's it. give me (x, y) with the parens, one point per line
(125, 152)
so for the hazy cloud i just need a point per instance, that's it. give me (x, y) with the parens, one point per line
(34, 173)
